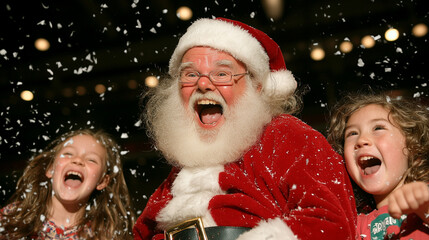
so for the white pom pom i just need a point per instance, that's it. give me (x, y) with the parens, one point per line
(280, 83)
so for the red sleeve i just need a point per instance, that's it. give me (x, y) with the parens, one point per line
(292, 174)
(145, 227)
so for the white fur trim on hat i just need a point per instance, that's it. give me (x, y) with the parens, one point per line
(243, 46)
(272, 229)
(280, 83)
(226, 37)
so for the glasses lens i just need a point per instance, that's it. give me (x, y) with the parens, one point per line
(221, 76)
(189, 76)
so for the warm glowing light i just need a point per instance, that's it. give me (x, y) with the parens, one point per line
(273, 8)
(317, 54)
(42, 44)
(420, 30)
(151, 81)
(184, 13)
(81, 90)
(368, 41)
(346, 47)
(132, 84)
(100, 88)
(27, 95)
(391, 34)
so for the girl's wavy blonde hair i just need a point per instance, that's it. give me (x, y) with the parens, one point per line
(410, 116)
(108, 212)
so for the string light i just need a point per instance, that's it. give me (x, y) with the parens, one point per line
(420, 30)
(80, 90)
(100, 88)
(273, 8)
(346, 47)
(184, 13)
(27, 95)
(42, 44)
(391, 34)
(368, 41)
(317, 54)
(151, 81)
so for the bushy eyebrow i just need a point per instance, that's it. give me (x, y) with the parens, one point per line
(224, 62)
(185, 65)
(220, 63)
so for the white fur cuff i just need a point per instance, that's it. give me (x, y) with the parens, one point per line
(273, 229)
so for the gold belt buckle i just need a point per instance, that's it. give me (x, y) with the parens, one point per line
(197, 222)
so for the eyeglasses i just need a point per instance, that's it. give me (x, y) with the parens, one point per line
(217, 77)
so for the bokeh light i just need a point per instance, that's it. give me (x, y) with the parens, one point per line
(420, 30)
(151, 81)
(100, 88)
(368, 41)
(391, 35)
(132, 84)
(346, 47)
(184, 13)
(42, 44)
(80, 90)
(317, 54)
(27, 95)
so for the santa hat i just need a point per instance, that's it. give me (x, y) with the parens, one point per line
(261, 54)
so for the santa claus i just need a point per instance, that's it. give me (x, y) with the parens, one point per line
(243, 167)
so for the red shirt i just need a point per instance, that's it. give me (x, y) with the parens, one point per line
(379, 224)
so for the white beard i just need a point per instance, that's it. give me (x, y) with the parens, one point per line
(185, 144)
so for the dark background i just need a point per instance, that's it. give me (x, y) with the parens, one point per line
(113, 42)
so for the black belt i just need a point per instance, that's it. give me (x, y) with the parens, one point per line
(213, 233)
(183, 232)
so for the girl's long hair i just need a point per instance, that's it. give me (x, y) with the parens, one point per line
(410, 116)
(108, 212)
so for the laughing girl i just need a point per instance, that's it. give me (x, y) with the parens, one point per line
(74, 189)
(385, 144)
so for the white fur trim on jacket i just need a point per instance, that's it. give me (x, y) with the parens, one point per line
(192, 190)
(273, 229)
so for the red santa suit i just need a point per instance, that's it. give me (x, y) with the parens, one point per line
(291, 183)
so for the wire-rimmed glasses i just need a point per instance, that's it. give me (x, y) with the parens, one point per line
(217, 77)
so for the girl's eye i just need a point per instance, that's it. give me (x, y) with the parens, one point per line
(351, 133)
(379, 127)
(93, 160)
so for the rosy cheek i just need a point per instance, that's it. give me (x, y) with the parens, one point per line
(185, 94)
(227, 94)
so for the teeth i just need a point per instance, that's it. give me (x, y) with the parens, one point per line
(206, 102)
(74, 173)
(365, 158)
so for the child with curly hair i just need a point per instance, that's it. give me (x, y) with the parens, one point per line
(74, 189)
(385, 144)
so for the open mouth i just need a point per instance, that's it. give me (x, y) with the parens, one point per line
(369, 165)
(209, 111)
(73, 178)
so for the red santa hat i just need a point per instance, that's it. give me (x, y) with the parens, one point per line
(261, 54)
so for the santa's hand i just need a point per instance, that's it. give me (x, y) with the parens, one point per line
(410, 198)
